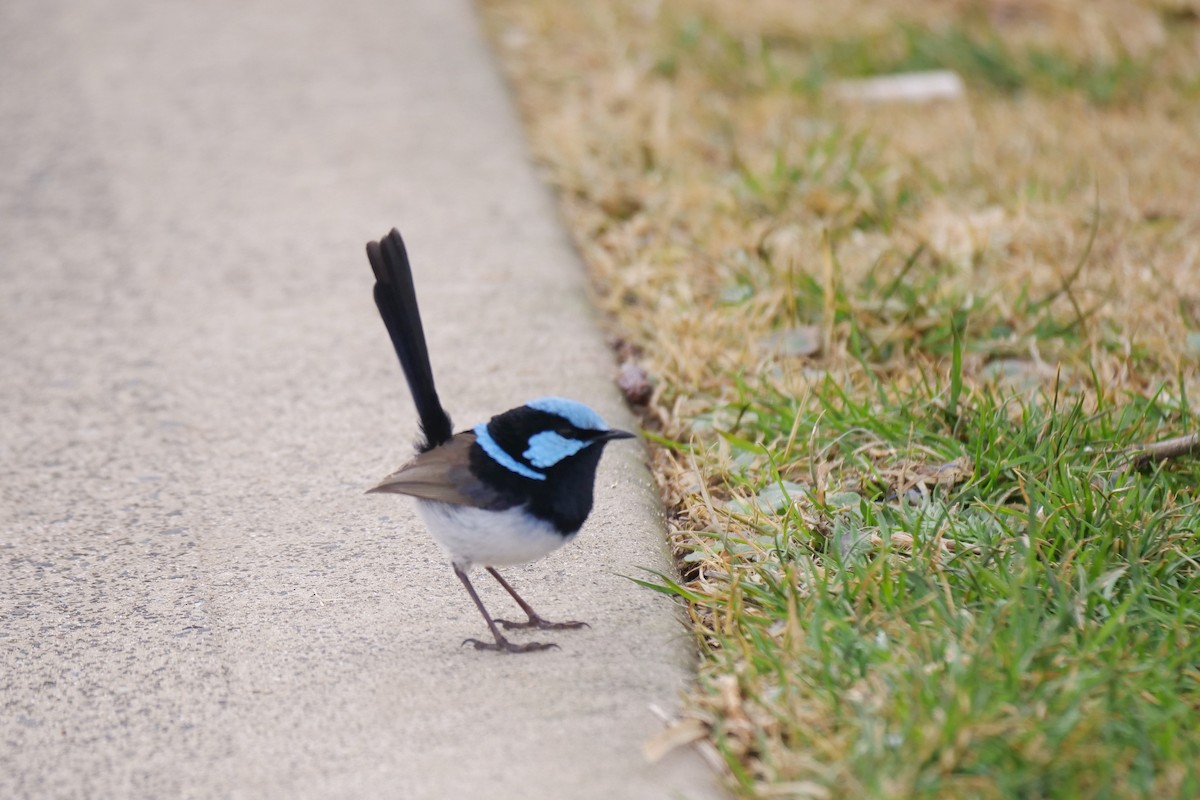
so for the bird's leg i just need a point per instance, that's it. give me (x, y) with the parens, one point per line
(501, 645)
(534, 620)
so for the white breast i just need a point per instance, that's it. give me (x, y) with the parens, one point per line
(475, 537)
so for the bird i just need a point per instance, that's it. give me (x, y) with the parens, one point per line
(505, 492)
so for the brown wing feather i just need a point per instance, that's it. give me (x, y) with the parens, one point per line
(443, 474)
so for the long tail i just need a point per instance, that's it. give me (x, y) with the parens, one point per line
(397, 302)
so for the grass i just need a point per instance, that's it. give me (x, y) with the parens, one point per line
(976, 52)
(939, 597)
(901, 353)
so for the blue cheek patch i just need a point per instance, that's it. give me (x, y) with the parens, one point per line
(548, 448)
(575, 413)
(497, 454)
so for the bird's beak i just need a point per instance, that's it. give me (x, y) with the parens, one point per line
(617, 434)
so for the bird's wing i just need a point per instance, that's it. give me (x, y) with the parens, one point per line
(444, 474)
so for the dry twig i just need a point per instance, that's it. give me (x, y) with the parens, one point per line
(1147, 454)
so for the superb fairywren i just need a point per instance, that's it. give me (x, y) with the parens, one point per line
(508, 491)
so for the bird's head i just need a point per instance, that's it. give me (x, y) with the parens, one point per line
(546, 436)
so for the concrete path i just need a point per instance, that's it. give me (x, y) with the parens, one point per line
(196, 598)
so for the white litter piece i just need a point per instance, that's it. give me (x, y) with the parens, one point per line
(905, 87)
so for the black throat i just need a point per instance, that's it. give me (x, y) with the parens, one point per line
(563, 499)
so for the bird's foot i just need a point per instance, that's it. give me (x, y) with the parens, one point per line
(535, 621)
(502, 645)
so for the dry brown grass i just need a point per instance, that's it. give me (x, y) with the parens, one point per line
(1001, 189)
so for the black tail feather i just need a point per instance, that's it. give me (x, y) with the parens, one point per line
(397, 302)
